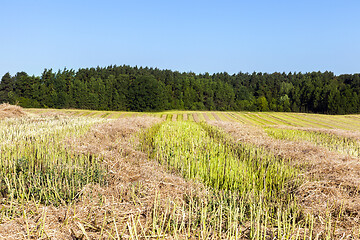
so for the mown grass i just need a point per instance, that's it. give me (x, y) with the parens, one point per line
(251, 190)
(331, 141)
(346, 122)
(36, 166)
(201, 151)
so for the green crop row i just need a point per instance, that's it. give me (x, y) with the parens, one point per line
(250, 187)
(331, 141)
(36, 165)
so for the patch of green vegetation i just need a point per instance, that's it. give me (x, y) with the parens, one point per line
(35, 165)
(250, 185)
(328, 140)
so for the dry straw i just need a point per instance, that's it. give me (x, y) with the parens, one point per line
(8, 111)
(331, 191)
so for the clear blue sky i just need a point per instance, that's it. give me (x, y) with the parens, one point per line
(198, 36)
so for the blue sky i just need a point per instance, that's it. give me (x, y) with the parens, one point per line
(198, 36)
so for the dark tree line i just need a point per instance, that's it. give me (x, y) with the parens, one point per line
(149, 89)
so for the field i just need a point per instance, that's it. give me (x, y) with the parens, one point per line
(82, 174)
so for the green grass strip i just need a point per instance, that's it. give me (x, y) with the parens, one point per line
(330, 141)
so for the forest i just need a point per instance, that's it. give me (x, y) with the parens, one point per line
(151, 89)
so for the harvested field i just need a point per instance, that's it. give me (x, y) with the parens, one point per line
(195, 117)
(163, 117)
(185, 117)
(227, 117)
(178, 175)
(136, 189)
(332, 180)
(216, 117)
(206, 117)
(10, 111)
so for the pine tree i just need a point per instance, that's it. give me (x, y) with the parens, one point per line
(6, 88)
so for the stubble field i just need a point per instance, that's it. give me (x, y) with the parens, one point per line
(80, 174)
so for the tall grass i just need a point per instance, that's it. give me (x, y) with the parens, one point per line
(252, 190)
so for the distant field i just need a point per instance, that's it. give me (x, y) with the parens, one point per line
(345, 122)
(82, 174)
